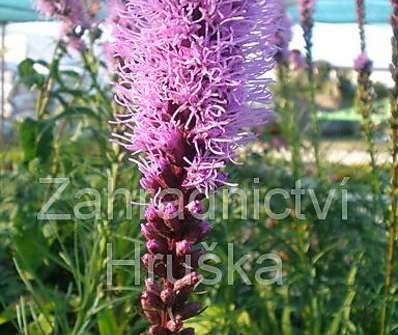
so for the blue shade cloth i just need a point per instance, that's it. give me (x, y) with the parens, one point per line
(17, 11)
(330, 11)
(343, 11)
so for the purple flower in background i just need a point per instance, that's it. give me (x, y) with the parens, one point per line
(283, 37)
(363, 64)
(296, 60)
(360, 9)
(306, 8)
(187, 74)
(394, 17)
(71, 13)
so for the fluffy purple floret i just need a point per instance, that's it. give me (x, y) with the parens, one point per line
(188, 75)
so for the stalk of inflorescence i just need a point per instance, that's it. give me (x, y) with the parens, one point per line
(285, 105)
(187, 72)
(363, 66)
(393, 210)
(307, 24)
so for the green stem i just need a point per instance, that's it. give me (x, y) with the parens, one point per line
(91, 68)
(315, 136)
(366, 109)
(288, 120)
(45, 93)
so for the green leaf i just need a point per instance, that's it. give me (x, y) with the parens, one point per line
(36, 140)
(42, 325)
(28, 75)
(31, 248)
(107, 324)
(75, 112)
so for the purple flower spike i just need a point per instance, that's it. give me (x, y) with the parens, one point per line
(187, 73)
(186, 87)
(363, 64)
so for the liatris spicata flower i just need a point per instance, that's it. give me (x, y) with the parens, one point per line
(73, 16)
(187, 72)
(283, 37)
(363, 64)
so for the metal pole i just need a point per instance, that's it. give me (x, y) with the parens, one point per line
(3, 70)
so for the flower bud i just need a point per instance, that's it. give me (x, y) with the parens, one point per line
(147, 260)
(170, 216)
(174, 325)
(148, 232)
(150, 301)
(183, 247)
(152, 286)
(195, 207)
(154, 265)
(151, 214)
(157, 247)
(167, 296)
(190, 280)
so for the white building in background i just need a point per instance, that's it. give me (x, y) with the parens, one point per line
(335, 43)
(339, 45)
